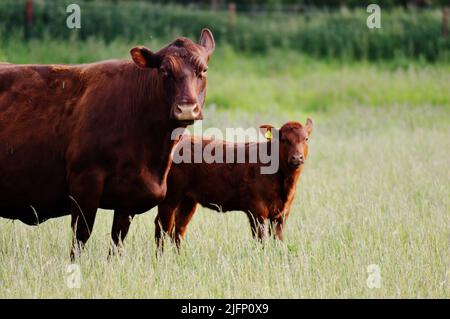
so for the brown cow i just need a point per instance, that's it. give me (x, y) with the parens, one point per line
(234, 186)
(76, 138)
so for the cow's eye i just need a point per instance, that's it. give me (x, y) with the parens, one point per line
(164, 72)
(306, 139)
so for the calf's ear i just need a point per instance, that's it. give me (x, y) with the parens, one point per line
(268, 131)
(207, 40)
(145, 58)
(309, 126)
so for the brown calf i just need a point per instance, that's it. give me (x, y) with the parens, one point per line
(234, 186)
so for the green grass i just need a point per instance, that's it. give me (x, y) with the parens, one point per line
(375, 190)
(282, 80)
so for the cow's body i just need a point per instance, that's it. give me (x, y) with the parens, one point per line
(57, 120)
(76, 138)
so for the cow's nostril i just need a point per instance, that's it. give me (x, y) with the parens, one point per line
(196, 110)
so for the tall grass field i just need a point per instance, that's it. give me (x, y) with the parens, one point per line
(375, 190)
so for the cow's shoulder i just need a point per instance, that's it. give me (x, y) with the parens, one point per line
(107, 68)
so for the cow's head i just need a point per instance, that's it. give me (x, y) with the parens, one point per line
(293, 138)
(182, 66)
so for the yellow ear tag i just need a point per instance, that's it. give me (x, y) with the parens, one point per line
(268, 134)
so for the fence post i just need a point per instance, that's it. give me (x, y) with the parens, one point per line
(445, 12)
(232, 13)
(28, 18)
(214, 5)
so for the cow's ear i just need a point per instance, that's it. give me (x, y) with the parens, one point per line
(207, 40)
(145, 58)
(309, 126)
(268, 131)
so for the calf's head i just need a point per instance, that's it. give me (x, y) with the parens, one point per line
(293, 141)
(182, 68)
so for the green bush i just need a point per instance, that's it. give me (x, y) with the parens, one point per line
(405, 33)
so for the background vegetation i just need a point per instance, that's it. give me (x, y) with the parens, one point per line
(375, 189)
(342, 33)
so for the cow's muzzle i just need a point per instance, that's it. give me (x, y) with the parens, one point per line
(187, 112)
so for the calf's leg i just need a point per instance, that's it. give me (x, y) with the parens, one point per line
(257, 225)
(277, 225)
(184, 214)
(277, 228)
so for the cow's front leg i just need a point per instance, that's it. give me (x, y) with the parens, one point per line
(120, 227)
(85, 193)
(164, 223)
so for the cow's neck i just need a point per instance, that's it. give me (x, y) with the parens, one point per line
(159, 161)
(156, 127)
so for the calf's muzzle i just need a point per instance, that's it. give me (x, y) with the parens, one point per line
(296, 160)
